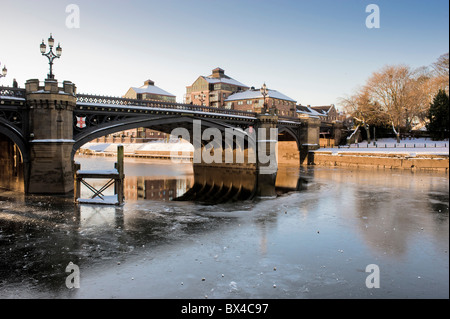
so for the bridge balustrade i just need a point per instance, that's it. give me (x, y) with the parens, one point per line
(94, 99)
(6, 91)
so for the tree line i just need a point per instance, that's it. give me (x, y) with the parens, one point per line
(402, 98)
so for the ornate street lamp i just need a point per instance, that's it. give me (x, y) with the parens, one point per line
(264, 91)
(4, 72)
(50, 55)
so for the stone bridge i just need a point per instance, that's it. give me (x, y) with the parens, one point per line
(43, 125)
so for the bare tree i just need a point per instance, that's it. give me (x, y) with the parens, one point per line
(441, 66)
(391, 88)
(426, 83)
(422, 91)
(397, 95)
(441, 70)
(364, 112)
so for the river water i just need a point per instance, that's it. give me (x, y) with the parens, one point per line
(314, 240)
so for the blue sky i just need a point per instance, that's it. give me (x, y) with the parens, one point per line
(312, 51)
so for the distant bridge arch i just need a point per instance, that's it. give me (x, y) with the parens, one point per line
(16, 137)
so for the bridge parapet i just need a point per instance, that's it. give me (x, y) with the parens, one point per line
(50, 86)
(87, 99)
(12, 92)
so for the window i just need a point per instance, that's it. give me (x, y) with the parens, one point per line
(249, 102)
(240, 102)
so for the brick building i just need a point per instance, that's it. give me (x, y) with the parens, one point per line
(212, 90)
(148, 91)
(252, 101)
(328, 112)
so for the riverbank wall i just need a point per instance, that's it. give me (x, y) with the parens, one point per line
(380, 160)
(408, 155)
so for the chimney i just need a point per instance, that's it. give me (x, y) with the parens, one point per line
(218, 73)
(149, 82)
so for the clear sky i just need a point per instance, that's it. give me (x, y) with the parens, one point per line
(311, 51)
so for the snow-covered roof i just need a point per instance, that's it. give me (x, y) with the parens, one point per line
(226, 80)
(151, 89)
(256, 94)
(323, 109)
(308, 110)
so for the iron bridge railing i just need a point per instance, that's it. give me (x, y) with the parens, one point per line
(118, 101)
(6, 91)
(125, 102)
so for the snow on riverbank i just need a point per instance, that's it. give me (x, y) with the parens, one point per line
(412, 147)
(131, 148)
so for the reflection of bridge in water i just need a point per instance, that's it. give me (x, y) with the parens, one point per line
(231, 184)
(208, 185)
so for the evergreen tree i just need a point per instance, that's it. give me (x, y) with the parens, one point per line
(438, 116)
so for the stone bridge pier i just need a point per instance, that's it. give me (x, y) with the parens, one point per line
(50, 122)
(251, 153)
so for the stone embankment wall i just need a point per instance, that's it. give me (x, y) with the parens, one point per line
(379, 160)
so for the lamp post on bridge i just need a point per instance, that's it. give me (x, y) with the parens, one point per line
(4, 72)
(50, 55)
(264, 91)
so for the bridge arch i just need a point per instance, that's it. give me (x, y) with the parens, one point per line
(162, 124)
(16, 136)
(14, 158)
(288, 146)
(289, 133)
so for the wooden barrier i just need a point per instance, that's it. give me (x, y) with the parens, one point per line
(114, 176)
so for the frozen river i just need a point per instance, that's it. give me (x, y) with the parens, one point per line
(314, 240)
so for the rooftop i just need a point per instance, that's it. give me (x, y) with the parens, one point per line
(322, 109)
(218, 76)
(308, 110)
(226, 80)
(256, 94)
(149, 87)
